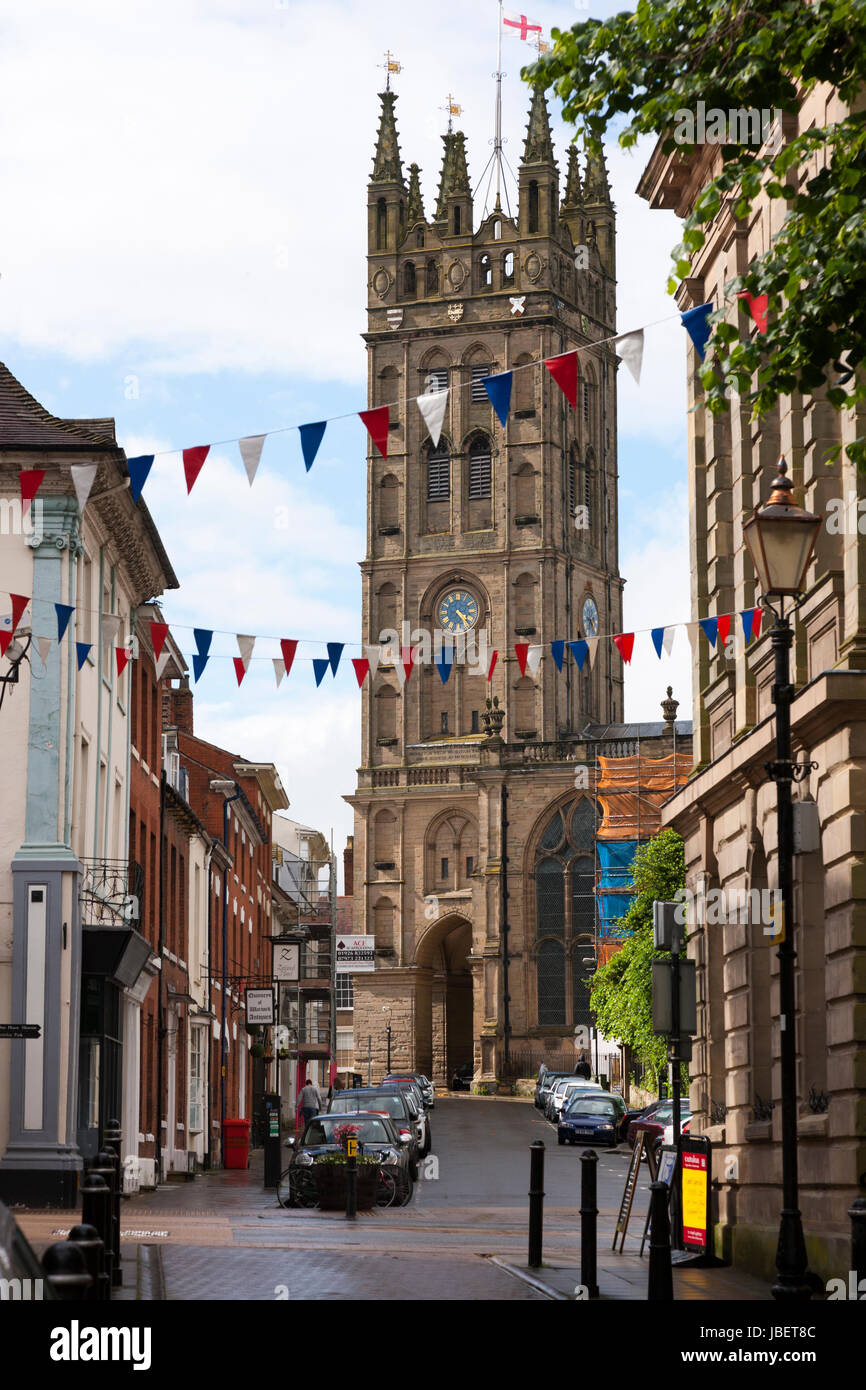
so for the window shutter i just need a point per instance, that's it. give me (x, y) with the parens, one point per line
(479, 474)
(438, 475)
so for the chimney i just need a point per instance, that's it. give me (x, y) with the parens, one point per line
(177, 707)
(349, 866)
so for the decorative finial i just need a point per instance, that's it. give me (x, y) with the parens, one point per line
(782, 489)
(453, 109)
(670, 707)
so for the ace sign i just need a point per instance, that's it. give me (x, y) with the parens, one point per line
(355, 954)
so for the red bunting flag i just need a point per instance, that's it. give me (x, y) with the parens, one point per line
(240, 668)
(757, 615)
(723, 628)
(564, 372)
(407, 658)
(377, 422)
(121, 656)
(19, 603)
(362, 666)
(30, 481)
(158, 634)
(758, 305)
(288, 646)
(5, 639)
(521, 651)
(193, 461)
(625, 645)
(493, 661)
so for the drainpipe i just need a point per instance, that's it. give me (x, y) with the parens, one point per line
(506, 1012)
(220, 785)
(160, 1019)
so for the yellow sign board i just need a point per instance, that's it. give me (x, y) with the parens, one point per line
(351, 1148)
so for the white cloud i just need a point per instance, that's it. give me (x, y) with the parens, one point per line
(659, 550)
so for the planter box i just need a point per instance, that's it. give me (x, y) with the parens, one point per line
(331, 1185)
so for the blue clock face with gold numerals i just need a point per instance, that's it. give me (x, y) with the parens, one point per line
(590, 618)
(457, 611)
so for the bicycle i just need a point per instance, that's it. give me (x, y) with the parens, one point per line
(297, 1188)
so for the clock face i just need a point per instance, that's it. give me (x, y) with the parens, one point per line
(458, 611)
(590, 618)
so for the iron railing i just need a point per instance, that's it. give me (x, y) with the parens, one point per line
(111, 893)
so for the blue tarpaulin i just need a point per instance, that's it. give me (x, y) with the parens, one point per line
(614, 888)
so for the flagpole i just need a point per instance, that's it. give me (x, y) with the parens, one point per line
(497, 143)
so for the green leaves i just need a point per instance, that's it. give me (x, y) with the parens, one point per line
(640, 69)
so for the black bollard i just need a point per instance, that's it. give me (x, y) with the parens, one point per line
(112, 1139)
(103, 1166)
(536, 1202)
(588, 1221)
(857, 1213)
(105, 1156)
(661, 1278)
(66, 1272)
(86, 1239)
(96, 1214)
(351, 1186)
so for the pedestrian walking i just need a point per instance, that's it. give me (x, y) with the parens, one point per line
(583, 1068)
(309, 1101)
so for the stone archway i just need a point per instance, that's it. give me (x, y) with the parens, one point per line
(443, 1003)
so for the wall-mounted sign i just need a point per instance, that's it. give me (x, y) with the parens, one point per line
(259, 1005)
(287, 957)
(355, 954)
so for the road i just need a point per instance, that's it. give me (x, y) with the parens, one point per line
(471, 1206)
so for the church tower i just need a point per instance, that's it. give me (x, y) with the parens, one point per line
(505, 533)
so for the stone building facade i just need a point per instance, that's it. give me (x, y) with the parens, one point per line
(477, 535)
(727, 812)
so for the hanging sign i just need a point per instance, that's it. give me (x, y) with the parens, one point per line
(259, 1005)
(287, 956)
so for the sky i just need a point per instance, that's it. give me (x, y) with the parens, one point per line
(182, 247)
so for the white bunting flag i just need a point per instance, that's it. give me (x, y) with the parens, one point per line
(400, 672)
(432, 407)
(592, 643)
(110, 627)
(630, 349)
(245, 647)
(279, 669)
(251, 453)
(374, 656)
(668, 640)
(161, 663)
(692, 629)
(83, 475)
(44, 644)
(533, 658)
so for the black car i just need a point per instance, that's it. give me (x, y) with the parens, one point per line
(393, 1102)
(323, 1135)
(462, 1078)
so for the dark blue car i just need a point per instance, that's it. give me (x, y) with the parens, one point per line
(591, 1119)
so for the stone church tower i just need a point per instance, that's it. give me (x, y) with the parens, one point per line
(479, 534)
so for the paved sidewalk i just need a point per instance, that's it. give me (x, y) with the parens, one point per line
(625, 1277)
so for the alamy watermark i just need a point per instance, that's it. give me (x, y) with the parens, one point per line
(742, 125)
(14, 522)
(720, 906)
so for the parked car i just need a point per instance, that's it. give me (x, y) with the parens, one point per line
(375, 1133)
(564, 1090)
(653, 1125)
(425, 1086)
(410, 1090)
(462, 1078)
(591, 1119)
(575, 1097)
(667, 1136)
(393, 1103)
(545, 1084)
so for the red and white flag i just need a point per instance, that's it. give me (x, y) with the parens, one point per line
(519, 27)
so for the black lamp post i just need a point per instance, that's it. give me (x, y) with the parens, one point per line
(781, 538)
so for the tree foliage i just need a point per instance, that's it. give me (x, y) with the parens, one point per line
(644, 67)
(621, 997)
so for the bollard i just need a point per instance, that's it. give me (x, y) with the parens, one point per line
(661, 1278)
(588, 1221)
(857, 1213)
(103, 1166)
(96, 1215)
(103, 1158)
(352, 1183)
(536, 1202)
(66, 1272)
(112, 1139)
(86, 1239)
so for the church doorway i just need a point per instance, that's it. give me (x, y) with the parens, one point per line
(444, 1007)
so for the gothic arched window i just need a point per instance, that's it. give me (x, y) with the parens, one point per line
(565, 927)
(507, 269)
(381, 225)
(439, 473)
(409, 281)
(533, 206)
(431, 278)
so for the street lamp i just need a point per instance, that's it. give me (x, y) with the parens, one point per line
(781, 538)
